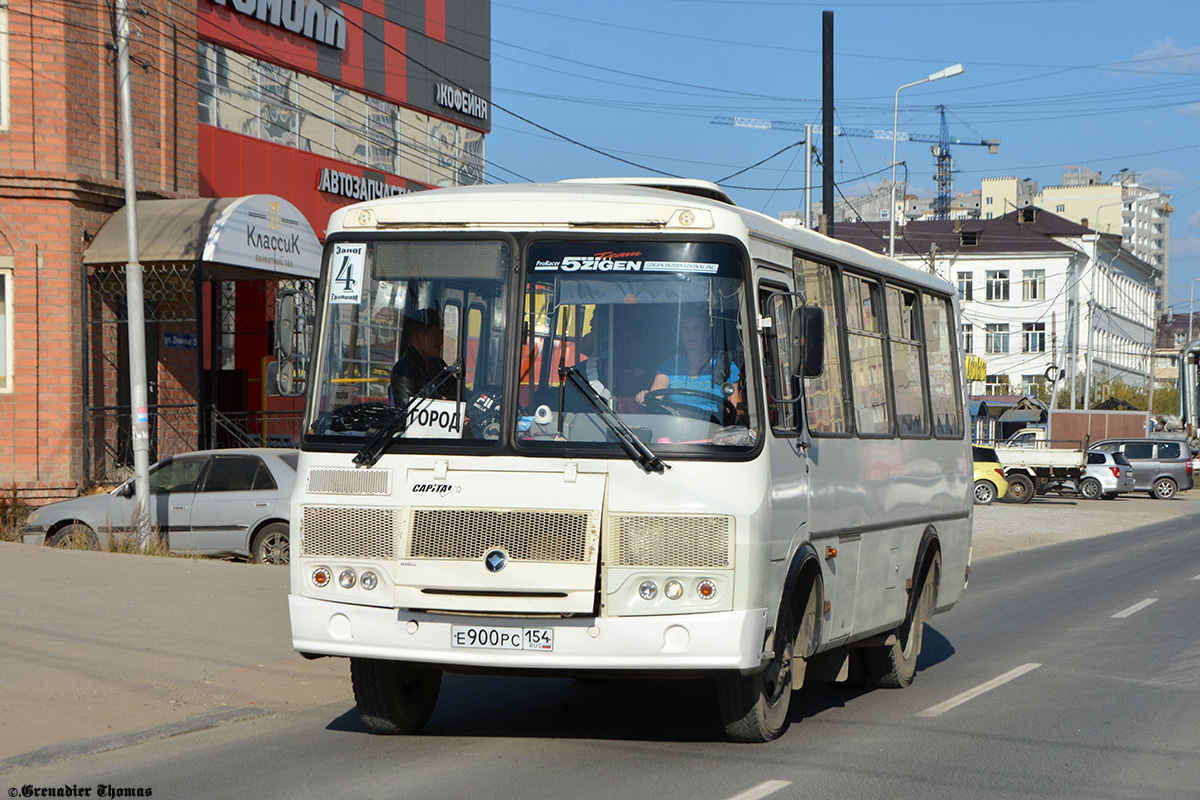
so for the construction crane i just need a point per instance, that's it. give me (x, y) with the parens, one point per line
(940, 150)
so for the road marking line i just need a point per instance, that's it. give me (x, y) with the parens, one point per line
(958, 700)
(1197, 578)
(1133, 609)
(762, 790)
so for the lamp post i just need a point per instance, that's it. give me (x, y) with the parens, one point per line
(1191, 309)
(948, 72)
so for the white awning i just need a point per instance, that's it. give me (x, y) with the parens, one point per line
(259, 234)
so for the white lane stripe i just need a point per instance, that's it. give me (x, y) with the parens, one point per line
(958, 700)
(762, 790)
(1197, 578)
(1133, 609)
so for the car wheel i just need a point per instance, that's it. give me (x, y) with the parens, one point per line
(893, 666)
(75, 536)
(1164, 489)
(1090, 489)
(985, 493)
(394, 697)
(1109, 496)
(271, 544)
(1020, 489)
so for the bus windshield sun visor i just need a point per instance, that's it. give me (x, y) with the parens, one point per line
(395, 425)
(637, 450)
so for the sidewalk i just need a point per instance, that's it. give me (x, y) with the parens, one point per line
(97, 644)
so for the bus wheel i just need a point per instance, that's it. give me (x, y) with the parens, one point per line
(754, 707)
(394, 697)
(893, 666)
(1020, 489)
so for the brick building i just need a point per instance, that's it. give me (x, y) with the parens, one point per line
(305, 105)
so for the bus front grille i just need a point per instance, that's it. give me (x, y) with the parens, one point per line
(670, 540)
(469, 534)
(349, 481)
(330, 532)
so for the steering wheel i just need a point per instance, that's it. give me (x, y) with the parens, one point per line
(659, 399)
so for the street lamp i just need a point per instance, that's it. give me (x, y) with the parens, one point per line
(1191, 309)
(937, 76)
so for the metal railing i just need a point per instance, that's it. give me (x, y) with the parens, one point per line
(173, 430)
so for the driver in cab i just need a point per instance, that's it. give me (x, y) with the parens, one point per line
(697, 372)
(421, 361)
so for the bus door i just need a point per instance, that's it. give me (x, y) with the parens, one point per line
(787, 446)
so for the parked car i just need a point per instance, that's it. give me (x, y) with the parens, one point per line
(1161, 467)
(990, 483)
(1106, 475)
(212, 502)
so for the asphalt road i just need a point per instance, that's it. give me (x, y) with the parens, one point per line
(1068, 671)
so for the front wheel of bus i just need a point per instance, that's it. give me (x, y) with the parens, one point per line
(754, 707)
(394, 697)
(894, 665)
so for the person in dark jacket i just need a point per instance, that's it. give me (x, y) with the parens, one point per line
(421, 360)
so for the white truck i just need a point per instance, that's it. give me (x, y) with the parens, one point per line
(1034, 464)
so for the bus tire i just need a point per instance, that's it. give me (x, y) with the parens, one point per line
(393, 697)
(1020, 489)
(1089, 489)
(754, 708)
(894, 665)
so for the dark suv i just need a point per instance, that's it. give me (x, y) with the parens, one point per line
(1161, 467)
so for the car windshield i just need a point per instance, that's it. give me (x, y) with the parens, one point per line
(413, 342)
(656, 331)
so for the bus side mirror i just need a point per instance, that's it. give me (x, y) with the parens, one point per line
(812, 357)
(806, 333)
(293, 322)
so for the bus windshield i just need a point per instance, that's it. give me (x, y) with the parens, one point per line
(414, 341)
(656, 331)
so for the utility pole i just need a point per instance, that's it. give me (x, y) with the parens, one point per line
(134, 299)
(827, 201)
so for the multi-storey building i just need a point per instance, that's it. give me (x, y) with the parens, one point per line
(1037, 291)
(254, 113)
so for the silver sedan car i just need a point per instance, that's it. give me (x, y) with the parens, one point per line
(211, 502)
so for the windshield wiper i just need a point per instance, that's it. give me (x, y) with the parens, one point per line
(637, 450)
(378, 444)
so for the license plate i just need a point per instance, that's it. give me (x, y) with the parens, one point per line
(492, 638)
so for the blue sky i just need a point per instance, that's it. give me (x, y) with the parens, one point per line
(1106, 85)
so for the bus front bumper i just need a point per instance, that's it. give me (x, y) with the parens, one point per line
(714, 641)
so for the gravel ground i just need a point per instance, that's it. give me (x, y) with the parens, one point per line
(1006, 527)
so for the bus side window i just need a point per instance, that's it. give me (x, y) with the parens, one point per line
(824, 395)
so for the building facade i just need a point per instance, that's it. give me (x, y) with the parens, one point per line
(1037, 291)
(308, 104)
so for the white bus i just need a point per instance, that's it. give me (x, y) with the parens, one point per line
(624, 428)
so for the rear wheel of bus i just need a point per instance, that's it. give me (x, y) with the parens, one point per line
(394, 697)
(893, 666)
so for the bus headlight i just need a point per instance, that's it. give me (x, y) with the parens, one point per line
(369, 581)
(648, 590)
(347, 579)
(706, 589)
(673, 590)
(321, 577)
